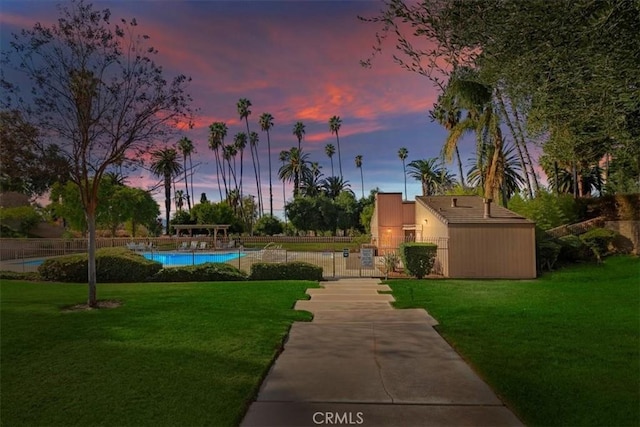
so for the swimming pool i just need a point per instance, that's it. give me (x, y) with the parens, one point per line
(190, 258)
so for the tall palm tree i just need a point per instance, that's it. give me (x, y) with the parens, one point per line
(330, 150)
(243, 107)
(266, 123)
(334, 185)
(295, 168)
(186, 148)
(217, 134)
(509, 177)
(284, 154)
(229, 153)
(402, 154)
(433, 176)
(334, 126)
(448, 115)
(240, 143)
(359, 166)
(254, 138)
(299, 131)
(165, 164)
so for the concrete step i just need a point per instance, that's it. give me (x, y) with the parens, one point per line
(352, 297)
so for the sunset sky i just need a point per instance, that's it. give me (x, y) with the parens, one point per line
(299, 61)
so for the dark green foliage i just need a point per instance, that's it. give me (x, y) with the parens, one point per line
(624, 207)
(418, 258)
(207, 272)
(19, 219)
(598, 239)
(547, 210)
(268, 226)
(295, 270)
(573, 249)
(115, 265)
(14, 275)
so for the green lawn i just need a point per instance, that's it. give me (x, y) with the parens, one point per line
(560, 350)
(172, 354)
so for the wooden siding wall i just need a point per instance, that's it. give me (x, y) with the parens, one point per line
(390, 216)
(492, 251)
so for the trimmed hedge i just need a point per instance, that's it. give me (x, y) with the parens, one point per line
(14, 275)
(599, 239)
(113, 265)
(207, 272)
(418, 258)
(296, 270)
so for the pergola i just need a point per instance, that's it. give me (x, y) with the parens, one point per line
(208, 227)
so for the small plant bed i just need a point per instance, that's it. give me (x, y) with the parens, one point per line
(170, 354)
(560, 350)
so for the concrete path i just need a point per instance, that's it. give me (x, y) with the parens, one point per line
(362, 362)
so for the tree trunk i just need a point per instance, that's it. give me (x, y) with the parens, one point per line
(92, 300)
(186, 184)
(536, 184)
(516, 141)
(459, 171)
(339, 155)
(270, 182)
(167, 200)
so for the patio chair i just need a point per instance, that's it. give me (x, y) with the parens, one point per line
(194, 245)
(202, 246)
(183, 247)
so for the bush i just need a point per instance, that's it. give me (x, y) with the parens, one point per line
(13, 275)
(418, 258)
(295, 270)
(268, 226)
(573, 249)
(207, 272)
(548, 210)
(113, 265)
(598, 240)
(20, 219)
(547, 252)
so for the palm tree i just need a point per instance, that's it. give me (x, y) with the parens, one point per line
(359, 166)
(311, 184)
(432, 175)
(402, 154)
(186, 148)
(217, 134)
(509, 175)
(334, 126)
(295, 168)
(334, 185)
(165, 164)
(330, 150)
(448, 115)
(253, 144)
(284, 154)
(180, 196)
(266, 123)
(229, 152)
(244, 112)
(240, 143)
(299, 131)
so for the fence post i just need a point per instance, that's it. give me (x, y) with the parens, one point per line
(333, 258)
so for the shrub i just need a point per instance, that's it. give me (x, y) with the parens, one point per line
(296, 270)
(114, 265)
(207, 272)
(573, 249)
(13, 275)
(548, 210)
(268, 226)
(547, 252)
(390, 261)
(598, 240)
(20, 219)
(418, 258)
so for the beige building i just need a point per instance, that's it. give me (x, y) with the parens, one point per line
(475, 239)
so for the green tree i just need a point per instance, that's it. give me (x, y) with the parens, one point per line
(295, 168)
(283, 156)
(334, 185)
(244, 111)
(95, 89)
(185, 145)
(402, 154)
(266, 123)
(268, 226)
(165, 164)
(433, 176)
(334, 126)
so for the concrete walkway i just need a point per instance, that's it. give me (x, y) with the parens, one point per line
(362, 362)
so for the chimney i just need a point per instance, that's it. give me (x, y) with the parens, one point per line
(454, 202)
(487, 208)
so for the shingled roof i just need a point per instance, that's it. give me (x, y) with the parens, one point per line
(468, 209)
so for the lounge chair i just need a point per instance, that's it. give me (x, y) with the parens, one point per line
(194, 245)
(183, 247)
(202, 246)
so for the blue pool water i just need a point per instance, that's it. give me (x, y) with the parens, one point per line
(190, 258)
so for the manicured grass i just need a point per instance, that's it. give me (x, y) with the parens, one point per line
(560, 350)
(172, 354)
